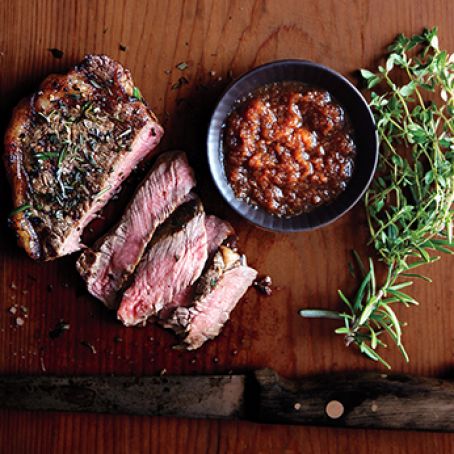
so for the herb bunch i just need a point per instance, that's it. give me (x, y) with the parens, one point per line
(408, 205)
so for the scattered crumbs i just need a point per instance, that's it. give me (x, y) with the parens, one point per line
(118, 339)
(201, 87)
(163, 372)
(152, 360)
(122, 47)
(65, 285)
(13, 297)
(215, 360)
(235, 352)
(59, 329)
(20, 321)
(193, 361)
(181, 81)
(212, 73)
(297, 406)
(25, 292)
(263, 285)
(12, 310)
(151, 339)
(167, 72)
(43, 366)
(56, 53)
(13, 286)
(180, 101)
(182, 66)
(89, 346)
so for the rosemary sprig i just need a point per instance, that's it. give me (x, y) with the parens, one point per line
(409, 203)
(46, 155)
(137, 94)
(20, 209)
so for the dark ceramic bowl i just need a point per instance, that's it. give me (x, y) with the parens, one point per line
(364, 134)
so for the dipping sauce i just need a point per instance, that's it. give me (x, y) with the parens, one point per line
(288, 148)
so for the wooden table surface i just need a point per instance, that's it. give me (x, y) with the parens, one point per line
(216, 39)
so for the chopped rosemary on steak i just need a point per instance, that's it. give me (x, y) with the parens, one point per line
(69, 147)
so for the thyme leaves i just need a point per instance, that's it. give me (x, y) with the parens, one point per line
(408, 205)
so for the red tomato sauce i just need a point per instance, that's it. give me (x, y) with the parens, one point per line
(288, 148)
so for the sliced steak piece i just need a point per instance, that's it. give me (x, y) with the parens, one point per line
(69, 147)
(175, 259)
(217, 293)
(112, 260)
(218, 231)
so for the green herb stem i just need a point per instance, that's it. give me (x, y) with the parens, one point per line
(409, 204)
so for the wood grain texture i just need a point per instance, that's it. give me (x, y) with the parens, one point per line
(216, 38)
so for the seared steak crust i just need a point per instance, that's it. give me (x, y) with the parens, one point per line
(107, 266)
(69, 147)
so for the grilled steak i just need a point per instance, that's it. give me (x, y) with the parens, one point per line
(217, 292)
(69, 147)
(107, 266)
(175, 259)
(217, 231)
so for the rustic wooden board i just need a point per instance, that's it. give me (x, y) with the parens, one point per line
(215, 38)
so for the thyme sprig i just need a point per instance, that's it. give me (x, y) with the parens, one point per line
(409, 204)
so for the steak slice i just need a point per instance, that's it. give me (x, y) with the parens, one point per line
(218, 231)
(112, 260)
(217, 293)
(175, 259)
(69, 147)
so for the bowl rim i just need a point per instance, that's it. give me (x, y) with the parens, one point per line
(211, 154)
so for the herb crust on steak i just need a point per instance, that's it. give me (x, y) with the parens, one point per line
(69, 147)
